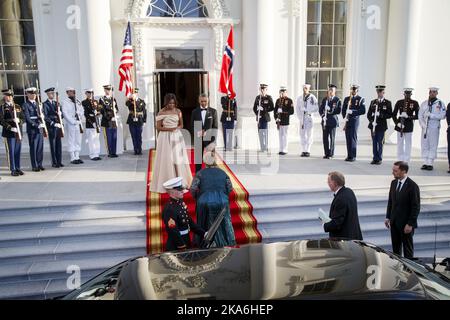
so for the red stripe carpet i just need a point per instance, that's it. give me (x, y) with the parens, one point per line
(244, 223)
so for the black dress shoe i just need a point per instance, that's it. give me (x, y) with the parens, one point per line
(80, 161)
(99, 159)
(379, 163)
(115, 156)
(374, 162)
(430, 168)
(20, 172)
(74, 162)
(350, 160)
(42, 168)
(55, 166)
(424, 167)
(61, 165)
(303, 155)
(15, 174)
(307, 154)
(36, 170)
(326, 157)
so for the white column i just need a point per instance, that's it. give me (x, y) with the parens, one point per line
(403, 44)
(257, 51)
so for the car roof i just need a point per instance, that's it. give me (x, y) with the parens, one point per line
(287, 270)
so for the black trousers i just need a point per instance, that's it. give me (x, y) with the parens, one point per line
(198, 156)
(401, 240)
(329, 136)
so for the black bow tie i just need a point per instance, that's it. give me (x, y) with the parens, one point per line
(204, 109)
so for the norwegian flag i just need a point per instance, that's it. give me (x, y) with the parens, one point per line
(226, 77)
(126, 64)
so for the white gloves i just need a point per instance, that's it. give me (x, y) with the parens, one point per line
(400, 126)
(427, 114)
(377, 114)
(78, 123)
(113, 119)
(260, 109)
(280, 110)
(41, 126)
(350, 111)
(235, 124)
(14, 130)
(404, 115)
(327, 108)
(57, 125)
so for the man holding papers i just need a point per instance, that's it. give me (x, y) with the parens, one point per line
(343, 221)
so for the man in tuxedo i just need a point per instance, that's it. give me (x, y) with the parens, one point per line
(205, 127)
(343, 211)
(402, 210)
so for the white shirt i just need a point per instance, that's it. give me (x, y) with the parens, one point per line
(337, 191)
(402, 182)
(203, 115)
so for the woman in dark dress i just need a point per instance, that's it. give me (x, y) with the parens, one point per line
(211, 188)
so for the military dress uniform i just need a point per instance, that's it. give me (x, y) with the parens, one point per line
(431, 113)
(109, 124)
(10, 133)
(329, 111)
(92, 116)
(353, 108)
(284, 108)
(177, 221)
(35, 135)
(136, 122)
(404, 114)
(228, 120)
(262, 107)
(73, 117)
(51, 110)
(379, 112)
(307, 105)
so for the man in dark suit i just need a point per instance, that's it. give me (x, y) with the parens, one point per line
(402, 210)
(343, 211)
(205, 127)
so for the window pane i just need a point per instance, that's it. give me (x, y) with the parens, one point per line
(27, 29)
(341, 12)
(7, 9)
(312, 57)
(339, 35)
(338, 78)
(311, 78)
(2, 65)
(13, 58)
(322, 95)
(10, 33)
(313, 34)
(29, 58)
(25, 10)
(313, 11)
(327, 11)
(30, 79)
(326, 38)
(325, 57)
(3, 83)
(177, 9)
(15, 80)
(339, 57)
(324, 80)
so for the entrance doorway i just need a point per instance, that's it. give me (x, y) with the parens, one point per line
(187, 86)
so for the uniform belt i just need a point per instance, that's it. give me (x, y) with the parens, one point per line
(33, 118)
(137, 113)
(184, 232)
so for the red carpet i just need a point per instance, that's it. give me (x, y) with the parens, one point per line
(244, 223)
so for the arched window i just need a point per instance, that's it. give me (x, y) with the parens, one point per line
(177, 9)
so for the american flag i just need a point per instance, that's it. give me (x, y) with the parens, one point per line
(226, 77)
(126, 64)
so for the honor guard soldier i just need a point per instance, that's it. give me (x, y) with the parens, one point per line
(73, 117)
(379, 112)
(137, 118)
(92, 116)
(431, 113)
(11, 119)
(35, 127)
(262, 107)
(329, 111)
(228, 120)
(284, 108)
(176, 218)
(404, 114)
(53, 118)
(307, 105)
(354, 107)
(109, 111)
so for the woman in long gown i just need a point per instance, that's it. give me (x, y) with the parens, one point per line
(171, 156)
(211, 188)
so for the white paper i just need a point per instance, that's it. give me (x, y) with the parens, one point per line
(323, 216)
